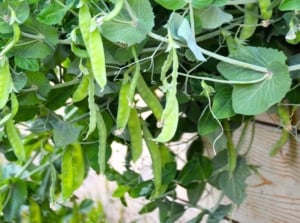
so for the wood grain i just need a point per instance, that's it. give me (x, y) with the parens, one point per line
(273, 194)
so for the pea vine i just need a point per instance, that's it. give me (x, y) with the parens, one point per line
(78, 75)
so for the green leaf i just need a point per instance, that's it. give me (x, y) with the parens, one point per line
(147, 208)
(65, 133)
(171, 4)
(287, 5)
(18, 196)
(201, 3)
(27, 64)
(219, 214)
(207, 123)
(125, 29)
(196, 170)
(143, 189)
(39, 80)
(252, 99)
(169, 212)
(195, 191)
(219, 17)
(234, 187)
(180, 29)
(21, 9)
(120, 191)
(222, 102)
(52, 14)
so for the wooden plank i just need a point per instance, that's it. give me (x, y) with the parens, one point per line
(273, 195)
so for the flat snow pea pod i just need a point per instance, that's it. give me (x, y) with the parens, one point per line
(165, 67)
(149, 97)
(85, 19)
(102, 135)
(135, 131)
(135, 76)
(34, 212)
(5, 82)
(15, 140)
(78, 165)
(96, 53)
(153, 148)
(250, 21)
(123, 106)
(169, 119)
(265, 11)
(81, 91)
(14, 104)
(92, 106)
(284, 115)
(67, 173)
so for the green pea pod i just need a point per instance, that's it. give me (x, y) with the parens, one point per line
(124, 106)
(284, 115)
(85, 19)
(135, 77)
(5, 82)
(67, 173)
(250, 21)
(135, 131)
(265, 11)
(14, 104)
(92, 106)
(53, 184)
(149, 97)
(15, 140)
(81, 91)
(35, 212)
(165, 67)
(153, 148)
(78, 165)
(102, 135)
(169, 119)
(96, 53)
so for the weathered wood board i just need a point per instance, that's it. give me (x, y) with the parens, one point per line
(274, 194)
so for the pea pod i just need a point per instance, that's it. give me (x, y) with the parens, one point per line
(135, 131)
(96, 53)
(81, 91)
(15, 140)
(102, 135)
(92, 106)
(14, 104)
(284, 115)
(153, 148)
(124, 106)
(85, 19)
(78, 165)
(265, 11)
(67, 173)
(5, 82)
(250, 21)
(149, 97)
(35, 212)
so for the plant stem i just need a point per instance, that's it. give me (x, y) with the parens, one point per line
(232, 154)
(225, 81)
(243, 135)
(294, 67)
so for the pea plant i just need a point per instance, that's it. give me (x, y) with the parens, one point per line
(77, 76)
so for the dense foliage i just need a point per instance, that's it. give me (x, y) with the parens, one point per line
(78, 75)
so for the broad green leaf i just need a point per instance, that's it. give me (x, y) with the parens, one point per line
(120, 191)
(39, 48)
(252, 99)
(125, 29)
(196, 170)
(27, 63)
(169, 212)
(180, 29)
(207, 123)
(234, 187)
(52, 14)
(21, 9)
(144, 189)
(222, 102)
(219, 214)
(219, 2)
(219, 17)
(147, 208)
(201, 4)
(171, 4)
(195, 191)
(39, 80)
(287, 5)
(65, 133)
(17, 198)
(5, 27)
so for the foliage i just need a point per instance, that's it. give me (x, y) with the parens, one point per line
(70, 74)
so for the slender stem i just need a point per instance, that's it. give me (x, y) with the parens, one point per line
(294, 67)
(42, 37)
(232, 153)
(26, 165)
(192, 21)
(243, 135)
(240, 2)
(225, 81)
(73, 12)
